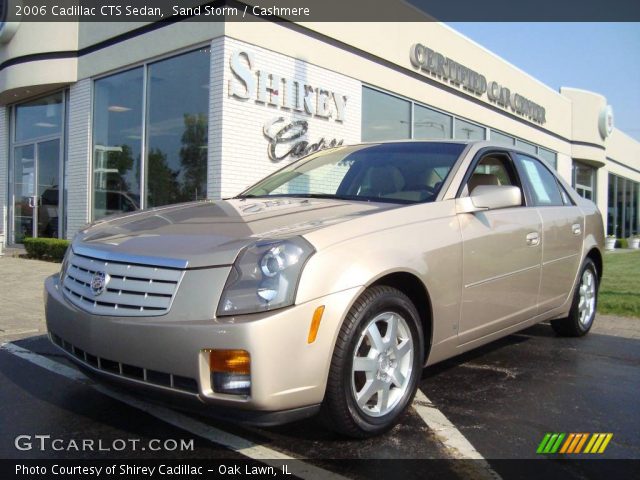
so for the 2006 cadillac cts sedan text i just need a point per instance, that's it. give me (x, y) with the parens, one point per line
(327, 286)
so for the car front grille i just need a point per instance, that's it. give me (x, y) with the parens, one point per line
(131, 372)
(128, 290)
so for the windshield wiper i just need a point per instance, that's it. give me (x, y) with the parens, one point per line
(329, 196)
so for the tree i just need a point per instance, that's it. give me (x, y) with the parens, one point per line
(162, 182)
(193, 157)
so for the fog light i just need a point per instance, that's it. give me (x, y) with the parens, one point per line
(231, 384)
(230, 371)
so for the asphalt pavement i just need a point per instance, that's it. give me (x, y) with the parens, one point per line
(500, 399)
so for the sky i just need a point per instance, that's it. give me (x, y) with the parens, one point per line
(600, 57)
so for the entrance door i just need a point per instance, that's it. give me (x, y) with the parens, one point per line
(37, 190)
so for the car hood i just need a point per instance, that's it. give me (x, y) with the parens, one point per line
(210, 233)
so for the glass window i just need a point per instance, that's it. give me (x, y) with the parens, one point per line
(635, 220)
(39, 118)
(502, 138)
(584, 180)
(468, 131)
(395, 173)
(621, 184)
(526, 146)
(549, 157)
(177, 129)
(117, 141)
(543, 185)
(429, 124)
(611, 206)
(492, 170)
(175, 163)
(384, 117)
(628, 208)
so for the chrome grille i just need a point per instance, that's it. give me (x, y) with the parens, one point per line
(132, 289)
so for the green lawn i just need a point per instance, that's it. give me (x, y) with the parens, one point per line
(620, 288)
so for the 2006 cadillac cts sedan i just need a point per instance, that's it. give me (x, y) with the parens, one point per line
(327, 286)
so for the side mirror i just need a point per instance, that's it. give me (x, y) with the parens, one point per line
(490, 197)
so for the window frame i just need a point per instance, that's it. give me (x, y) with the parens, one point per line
(482, 153)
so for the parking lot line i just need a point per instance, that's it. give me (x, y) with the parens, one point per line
(233, 442)
(447, 433)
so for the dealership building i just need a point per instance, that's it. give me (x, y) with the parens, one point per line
(98, 118)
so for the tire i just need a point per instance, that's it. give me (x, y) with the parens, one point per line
(386, 378)
(583, 308)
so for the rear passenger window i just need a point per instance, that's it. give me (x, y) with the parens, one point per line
(544, 188)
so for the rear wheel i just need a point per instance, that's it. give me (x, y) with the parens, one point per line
(376, 364)
(583, 308)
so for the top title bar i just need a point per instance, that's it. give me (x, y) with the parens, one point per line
(316, 10)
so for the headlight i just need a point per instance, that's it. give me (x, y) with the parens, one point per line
(265, 276)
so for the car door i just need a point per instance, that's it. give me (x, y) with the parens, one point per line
(562, 232)
(501, 255)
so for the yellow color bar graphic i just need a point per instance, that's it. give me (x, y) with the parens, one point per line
(598, 442)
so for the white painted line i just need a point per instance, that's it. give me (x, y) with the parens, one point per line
(233, 442)
(454, 441)
(44, 362)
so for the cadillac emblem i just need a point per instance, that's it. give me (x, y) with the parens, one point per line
(99, 283)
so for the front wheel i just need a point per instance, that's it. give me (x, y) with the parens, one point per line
(583, 308)
(376, 364)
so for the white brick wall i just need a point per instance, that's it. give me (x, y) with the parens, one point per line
(79, 155)
(243, 155)
(214, 158)
(4, 168)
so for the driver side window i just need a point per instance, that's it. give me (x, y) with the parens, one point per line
(493, 169)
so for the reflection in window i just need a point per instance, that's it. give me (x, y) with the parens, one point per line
(468, 131)
(502, 139)
(117, 139)
(628, 207)
(611, 206)
(620, 192)
(526, 146)
(635, 204)
(549, 157)
(384, 117)
(39, 118)
(177, 129)
(584, 180)
(175, 163)
(428, 124)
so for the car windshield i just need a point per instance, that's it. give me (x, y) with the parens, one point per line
(391, 172)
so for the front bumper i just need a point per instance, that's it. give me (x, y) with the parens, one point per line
(166, 357)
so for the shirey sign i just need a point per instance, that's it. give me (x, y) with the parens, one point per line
(286, 135)
(445, 69)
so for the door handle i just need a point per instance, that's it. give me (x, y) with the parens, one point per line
(533, 239)
(576, 229)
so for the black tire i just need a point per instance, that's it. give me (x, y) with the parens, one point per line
(340, 411)
(573, 326)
